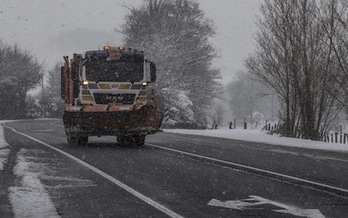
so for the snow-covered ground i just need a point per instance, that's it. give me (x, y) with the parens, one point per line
(4, 149)
(257, 135)
(30, 198)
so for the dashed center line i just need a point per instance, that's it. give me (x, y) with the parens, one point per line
(316, 157)
(316, 185)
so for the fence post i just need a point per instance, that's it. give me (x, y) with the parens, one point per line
(245, 124)
(341, 134)
(266, 123)
(336, 137)
(230, 125)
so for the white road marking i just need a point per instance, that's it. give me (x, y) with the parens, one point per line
(253, 201)
(316, 157)
(132, 191)
(327, 188)
(284, 152)
(57, 125)
(324, 158)
(181, 137)
(43, 130)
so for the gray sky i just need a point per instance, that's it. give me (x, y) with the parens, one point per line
(49, 29)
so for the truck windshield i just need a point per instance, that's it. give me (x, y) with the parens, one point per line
(112, 71)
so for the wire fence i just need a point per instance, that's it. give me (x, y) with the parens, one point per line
(338, 136)
(341, 138)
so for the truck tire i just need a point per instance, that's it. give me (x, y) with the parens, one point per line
(134, 140)
(77, 140)
(82, 140)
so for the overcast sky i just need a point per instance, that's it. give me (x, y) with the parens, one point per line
(49, 29)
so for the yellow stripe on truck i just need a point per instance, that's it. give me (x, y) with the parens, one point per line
(104, 86)
(87, 98)
(142, 98)
(124, 86)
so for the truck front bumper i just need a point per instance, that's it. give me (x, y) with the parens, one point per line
(139, 122)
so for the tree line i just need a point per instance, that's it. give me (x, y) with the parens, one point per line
(20, 75)
(173, 33)
(301, 54)
(19, 72)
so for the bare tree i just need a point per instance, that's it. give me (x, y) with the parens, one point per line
(247, 95)
(296, 59)
(334, 19)
(242, 96)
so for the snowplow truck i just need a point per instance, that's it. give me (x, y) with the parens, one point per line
(108, 93)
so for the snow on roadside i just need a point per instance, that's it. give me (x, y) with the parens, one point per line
(262, 137)
(4, 146)
(4, 153)
(4, 150)
(29, 198)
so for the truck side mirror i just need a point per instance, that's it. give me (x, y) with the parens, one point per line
(153, 71)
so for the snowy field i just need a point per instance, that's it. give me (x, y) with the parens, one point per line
(257, 135)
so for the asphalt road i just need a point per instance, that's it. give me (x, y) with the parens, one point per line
(178, 176)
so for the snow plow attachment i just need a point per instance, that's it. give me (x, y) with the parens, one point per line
(139, 122)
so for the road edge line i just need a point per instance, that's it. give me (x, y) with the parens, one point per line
(125, 187)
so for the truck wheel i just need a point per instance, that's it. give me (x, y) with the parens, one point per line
(135, 140)
(82, 140)
(77, 140)
(72, 140)
(139, 140)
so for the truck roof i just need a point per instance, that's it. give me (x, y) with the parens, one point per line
(126, 55)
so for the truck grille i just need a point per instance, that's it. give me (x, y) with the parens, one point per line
(107, 98)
